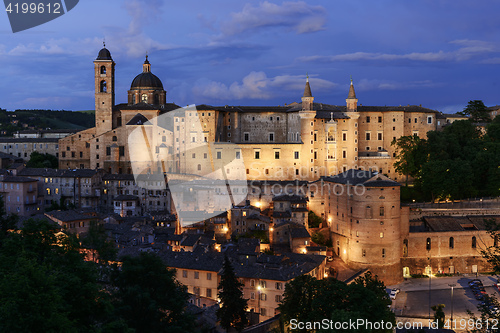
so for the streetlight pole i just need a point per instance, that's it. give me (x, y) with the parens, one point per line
(452, 285)
(430, 275)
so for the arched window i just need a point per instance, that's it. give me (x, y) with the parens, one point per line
(452, 243)
(474, 242)
(428, 244)
(164, 139)
(199, 167)
(405, 248)
(103, 86)
(157, 99)
(133, 99)
(144, 98)
(115, 138)
(103, 69)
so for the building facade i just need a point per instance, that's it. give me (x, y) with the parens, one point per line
(301, 141)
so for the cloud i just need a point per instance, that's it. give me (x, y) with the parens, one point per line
(297, 16)
(142, 12)
(45, 102)
(468, 49)
(491, 61)
(361, 56)
(256, 85)
(61, 46)
(375, 84)
(133, 40)
(451, 108)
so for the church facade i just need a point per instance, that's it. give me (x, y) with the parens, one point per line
(301, 141)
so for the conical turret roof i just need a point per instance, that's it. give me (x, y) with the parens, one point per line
(307, 89)
(352, 93)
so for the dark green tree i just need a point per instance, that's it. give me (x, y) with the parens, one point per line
(298, 299)
(45, 284)
(410, 155)
(38, 160)
(149, 298)
(449, 179)
(492, 255)
(232, 311)
(7, 222)
(439, 314)
(307, 300)
(477, 111)
(97, 241)
(314, 220)
(455, 163)
(493, 130)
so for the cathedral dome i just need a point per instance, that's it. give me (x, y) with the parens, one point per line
(146, 80)
(104, 54)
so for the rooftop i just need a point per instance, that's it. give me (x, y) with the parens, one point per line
(362, 177)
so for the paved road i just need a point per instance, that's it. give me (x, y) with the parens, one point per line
(413, 300)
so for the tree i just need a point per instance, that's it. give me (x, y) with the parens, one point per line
(298, 299)
(45, 284)
(455, 163)
(410, 155)
(439, 314)
(493, 130)
(7, 222)
(38, 160)
(97, 241)
(477, 111)
(492, 255)
(232, 311)
(314, 220)
(449, 179)
(308, 299)
(149, 298)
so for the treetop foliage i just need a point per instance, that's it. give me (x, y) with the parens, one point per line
(458, 162)
(308, 299)
(47, 286)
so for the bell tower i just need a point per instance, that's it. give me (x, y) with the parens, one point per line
(104, 74)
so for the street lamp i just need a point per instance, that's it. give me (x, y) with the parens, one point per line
(430, 276)
(452, 285)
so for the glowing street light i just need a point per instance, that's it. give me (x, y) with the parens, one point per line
(452, 285)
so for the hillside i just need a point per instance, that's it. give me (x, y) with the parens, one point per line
(19, 120)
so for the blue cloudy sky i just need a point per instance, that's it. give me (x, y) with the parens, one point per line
(437, 53)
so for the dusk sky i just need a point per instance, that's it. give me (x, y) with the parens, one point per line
(440, 54)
